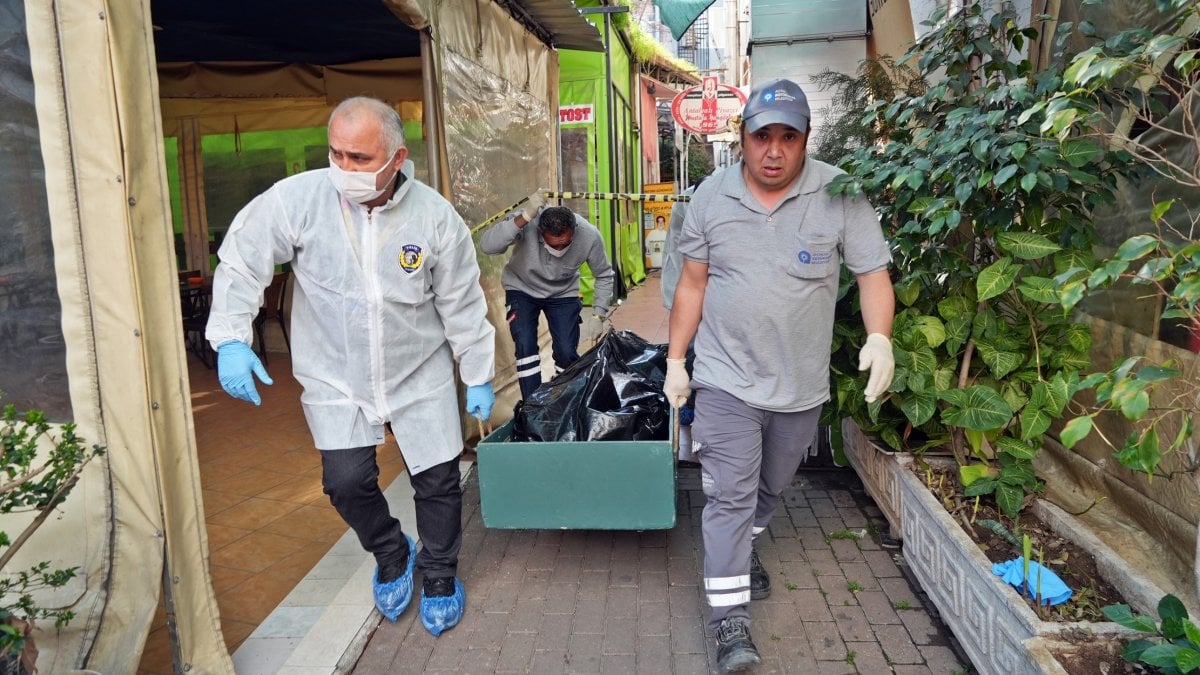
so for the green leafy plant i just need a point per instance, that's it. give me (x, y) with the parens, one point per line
(37, 472)
(1175, 647)
(982, 211)
(1138, 91)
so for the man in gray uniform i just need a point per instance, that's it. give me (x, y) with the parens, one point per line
(543, 276)
(762, 243)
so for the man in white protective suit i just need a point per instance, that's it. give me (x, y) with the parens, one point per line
(387, 299)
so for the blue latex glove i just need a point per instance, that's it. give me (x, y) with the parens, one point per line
(235, 364)
(1053, 590)
(480, 399)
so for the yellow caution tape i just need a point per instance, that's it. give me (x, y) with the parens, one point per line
(630, 196)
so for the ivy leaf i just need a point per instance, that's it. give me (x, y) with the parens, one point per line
(1026, 245)
(918, 408)
(1016, 448)
(1009, 499)
(969, 473)
(908, 290)
(1039, 290)
(996, 278)
(933, 330)
(1075, 430)
(977, 407)
(1034, 421)
(1057, 394)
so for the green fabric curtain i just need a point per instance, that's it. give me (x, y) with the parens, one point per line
(678, 15)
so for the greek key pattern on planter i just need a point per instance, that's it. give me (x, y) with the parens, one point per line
(878, 471)
(990, 622)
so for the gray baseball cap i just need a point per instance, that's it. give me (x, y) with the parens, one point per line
(776, 102)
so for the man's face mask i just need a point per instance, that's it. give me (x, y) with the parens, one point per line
(556, 252)
(357, 186)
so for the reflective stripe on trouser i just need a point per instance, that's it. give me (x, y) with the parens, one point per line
(747, 457)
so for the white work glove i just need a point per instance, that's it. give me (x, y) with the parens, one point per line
(533, 206)
(876, 354)
(677, 386)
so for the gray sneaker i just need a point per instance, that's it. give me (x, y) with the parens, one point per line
(735, 649)
(760, 581)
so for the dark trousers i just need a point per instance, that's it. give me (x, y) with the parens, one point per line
(351, 479)
(562, 315)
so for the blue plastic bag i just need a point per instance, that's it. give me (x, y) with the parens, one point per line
(1052, 589)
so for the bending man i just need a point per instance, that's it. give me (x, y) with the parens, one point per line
(543, 276)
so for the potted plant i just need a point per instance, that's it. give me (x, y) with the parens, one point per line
(37, 472)
(983, 212)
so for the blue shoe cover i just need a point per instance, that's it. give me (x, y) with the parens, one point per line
(442, 614)
(392, 598)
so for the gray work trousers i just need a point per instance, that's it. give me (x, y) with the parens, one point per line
(747, 457)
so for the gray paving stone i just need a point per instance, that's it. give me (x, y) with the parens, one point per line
(689, 663)
(583, 653)
(685, 601)
(846, 550)
(589, 615)
(516, 653)
(877, 606)
(868, 657)
(654, 618)
(620, 636)
(852, 624)
(549, 662)
(898, 644)
(825, 640)
(623, 600)
(653, 586)
(941, 659)
(653, 653)
(882, 564)
(687, 636)
(618, 664)
(861, 573)
(480, 661)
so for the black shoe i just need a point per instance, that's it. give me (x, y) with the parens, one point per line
(391, 571)
(437, 587)
(735, 650)
(760, 581)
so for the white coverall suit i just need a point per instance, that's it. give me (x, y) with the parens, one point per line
(385, 302)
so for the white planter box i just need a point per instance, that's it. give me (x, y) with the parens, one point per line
(879, 471)
(999, 632)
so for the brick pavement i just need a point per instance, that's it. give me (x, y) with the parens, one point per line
(562, 601)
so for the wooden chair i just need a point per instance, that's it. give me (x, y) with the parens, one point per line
(273, 308)
(194, 301)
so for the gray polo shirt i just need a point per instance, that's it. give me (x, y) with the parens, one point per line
(767, 320)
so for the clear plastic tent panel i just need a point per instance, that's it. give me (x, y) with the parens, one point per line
(33, 369)
(497, 142)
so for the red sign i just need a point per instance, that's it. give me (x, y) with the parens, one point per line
(575, 114)
(707, 108)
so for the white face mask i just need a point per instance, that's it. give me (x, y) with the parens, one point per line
(357, 186)
(557, 253)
